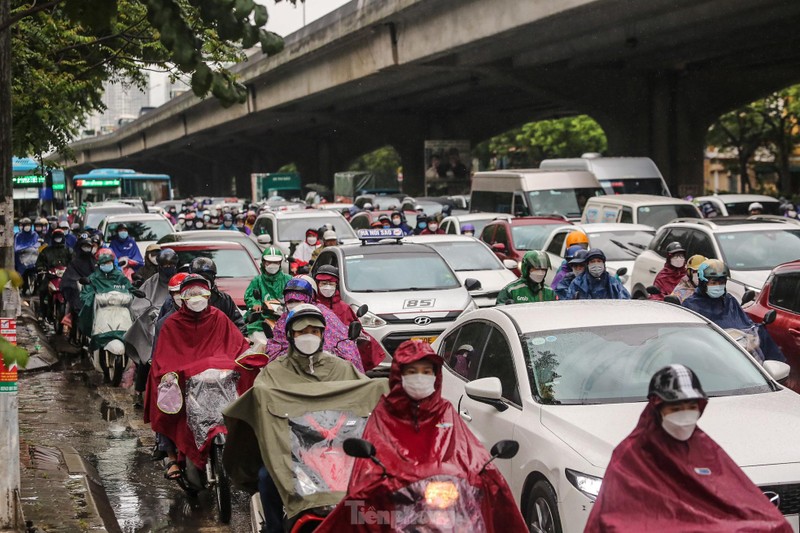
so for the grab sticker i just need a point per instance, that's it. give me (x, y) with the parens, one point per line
(703, 471)
(536, 341)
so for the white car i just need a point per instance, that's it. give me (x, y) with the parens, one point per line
(146, 228)
(288, 228)
(568, 381)
(738, 204)
(452, 224)
(621, 243)
(750, 248)
(471, 258)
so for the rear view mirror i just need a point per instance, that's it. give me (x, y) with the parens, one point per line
(505, 449)
(748, 296)
(472, 284)
(264, 239)
(655, 291)
(362, 310)
(622, 271)
(777, 370)
(770, 317)
(488, 391)
(363, 449)
(670, 299)
(509, 264)
(499, 247)
(354, 330)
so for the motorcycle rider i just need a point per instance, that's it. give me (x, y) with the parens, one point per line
(422, 224)
(305, 379)
(595, 283)
(712, 300)
(306, 248)
(56, 254)
(123, 245)
(669, 475)
(530, 286)
(329, 238)
(578, 266)
(222, 301)
(468, 230)
(106, 278)
(577, 237)
(40, 227)
(227, 223)
(26, 239)
(674, 270)
(69, 237)
(241, 226)
(566, 269)
(270, 283)
(81, 266)
(755, 208)
(432, 227)
(194, 338)
(688, 283)
(398, 221)
(150, 267)
(417, 434)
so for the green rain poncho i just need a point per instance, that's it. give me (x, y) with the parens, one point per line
(270, 285)
(104, 283)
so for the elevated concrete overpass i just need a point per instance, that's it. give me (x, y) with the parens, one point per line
(654, 73)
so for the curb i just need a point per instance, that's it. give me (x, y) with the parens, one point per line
(96, 497)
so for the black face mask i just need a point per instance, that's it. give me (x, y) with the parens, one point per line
(166, 273)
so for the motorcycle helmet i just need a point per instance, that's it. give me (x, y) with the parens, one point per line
(58, 232)
(675, 383)
(755, 206)
(195, 279)
(40, 222)
(301, 317)
(536, 260)
(713, 269)
(104, 255)
(595, 253)
(571, 251)
(579, 258)
(466, 228)
(175, 282)
(674, 248)
(204, 267)
(578, 237)
(167, 258)
(694, 262)
(52, 221)
(302, 285)
(64, 225)
(25, 221)
(272, 254)
(328, 270)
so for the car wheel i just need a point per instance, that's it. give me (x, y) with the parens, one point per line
(541, 509)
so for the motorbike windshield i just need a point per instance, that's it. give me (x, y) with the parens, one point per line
(207, 394)
(438, 504)
(319, 463)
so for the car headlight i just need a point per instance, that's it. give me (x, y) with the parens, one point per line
(588, 485)
(371, 320)
(441, 494)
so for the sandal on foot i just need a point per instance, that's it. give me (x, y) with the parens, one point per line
(173, 475)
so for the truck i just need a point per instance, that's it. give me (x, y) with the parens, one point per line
(284, 184)
(348, 185)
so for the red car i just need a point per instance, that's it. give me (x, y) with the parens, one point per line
(510, 238)
(781, 292)
(236, 268)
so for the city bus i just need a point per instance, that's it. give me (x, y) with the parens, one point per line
(102, 184)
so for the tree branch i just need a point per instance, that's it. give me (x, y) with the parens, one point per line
(28, 12)
(98, 40)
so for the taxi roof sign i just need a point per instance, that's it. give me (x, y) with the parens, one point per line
(377, 234)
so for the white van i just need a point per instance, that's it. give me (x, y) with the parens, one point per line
(645, 209)
(617, 175)
(528, 192)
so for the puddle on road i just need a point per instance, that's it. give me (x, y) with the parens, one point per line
(109, 412)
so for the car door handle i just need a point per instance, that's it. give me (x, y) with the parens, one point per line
(465, 415)
(653, 271)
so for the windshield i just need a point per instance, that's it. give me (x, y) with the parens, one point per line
(467, 256)
(634, 186)
(149, 230)
(567, 202)
(530, 236)
(742, 208)
(216, 235)
(759, 249)
(396, 270)
(658, 215)
(614, 365)
(95, 216)
(294, 229)
(230, 263)
(621, 245)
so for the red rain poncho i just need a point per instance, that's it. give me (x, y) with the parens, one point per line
(667, 279)
(188, 344)
(657, 483)
(416, 441)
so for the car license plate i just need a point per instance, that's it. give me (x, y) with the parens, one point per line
(794, 521)
(429, 340)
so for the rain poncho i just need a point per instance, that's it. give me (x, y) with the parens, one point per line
(80, 267)
(127, 248)
(294, 423)
(188, 344)
(113, 288)
(53, 255)
(562, 289)
(563, 271)
(726, 313)
(335, 342)
(26, 250)
(523, 290)
(139, 338)
(684, 289)
(606, 287)
(271, 288)
(417, 441)
(667, 279)
(657, 483)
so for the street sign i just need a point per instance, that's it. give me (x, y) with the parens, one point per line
(8, 376)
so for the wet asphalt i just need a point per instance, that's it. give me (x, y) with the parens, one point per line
(70, 405)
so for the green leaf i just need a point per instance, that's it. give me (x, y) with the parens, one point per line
(271, 43)
(201, 80)
(260, 15)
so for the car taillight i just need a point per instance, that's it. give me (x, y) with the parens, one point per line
(441, 494)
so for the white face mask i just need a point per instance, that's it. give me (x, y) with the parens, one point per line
(596, 270)
(307, 344)
(433, 227)
(680, 425)
(312, 241)
(291, 305)
(176, 298)
(396, 221)
(198, 225)
(419, 386)
(153, 259)
(693, 278)
(197, 303)
(272, 268)
(677, 261)
(327, 290)
(537, 276)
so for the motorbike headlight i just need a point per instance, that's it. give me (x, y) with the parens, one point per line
(371, 320)
(441, 494)
(588, 485)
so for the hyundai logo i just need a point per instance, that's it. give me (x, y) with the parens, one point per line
(422, 320)
(774, 498)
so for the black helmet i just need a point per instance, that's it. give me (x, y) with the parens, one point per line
(713, 269)
(595, 253)
(226, 217)
(327, 269)
(203, 266)
(579, 258)
(167, 258)
(674, 248)
(24, 221)
(303, 311)
(676, 383)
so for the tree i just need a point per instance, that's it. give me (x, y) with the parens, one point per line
(782, 113)
(385, 160)
(532, 142)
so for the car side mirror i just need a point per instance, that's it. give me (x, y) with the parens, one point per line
(509, 264)
(472, 284)
(488, 391)
(505, 449)
(360, 448)
(354, 330)
(264, 239)
(652, 289)
(622, 271)
(362, 310)
(777, 370)
(770, 317)
(672, 299)
(748, 297)
(499, 247)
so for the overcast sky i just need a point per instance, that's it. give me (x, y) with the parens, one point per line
(284, 18)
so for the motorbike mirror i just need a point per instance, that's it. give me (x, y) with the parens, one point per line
(748, 296)
(505, 449)
(653, 290)
(362, 310)
(265, 327)
(770, 317)
(252, 318)
(622, 271)
(84, 281)
(472, 284)
(138, 293)
(354, 330)
(257, 294)
(363, 449)
(671, 299)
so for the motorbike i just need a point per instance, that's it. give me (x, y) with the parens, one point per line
(271, 311)
(749, 338)
(56, 304)
(207, 394)
(26, 265)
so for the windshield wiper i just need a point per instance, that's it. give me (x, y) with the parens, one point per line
(638, 245)
(623, 247)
